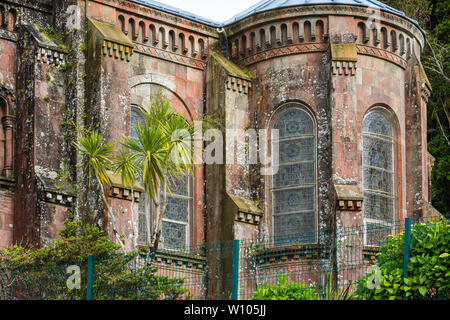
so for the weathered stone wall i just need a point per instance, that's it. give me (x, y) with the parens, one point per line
(124, 52)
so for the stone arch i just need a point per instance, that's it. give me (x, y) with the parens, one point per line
(6, 138)
(307, 31)
(132, 29)
(394, 41)
(121, 20)
(143, 87)
(320, 30)
(12, 19)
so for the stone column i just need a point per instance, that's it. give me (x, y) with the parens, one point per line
(8, 124)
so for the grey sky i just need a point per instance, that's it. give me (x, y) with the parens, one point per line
(217, 10)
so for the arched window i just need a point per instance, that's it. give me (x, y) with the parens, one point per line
(294, 203)
(378, 175)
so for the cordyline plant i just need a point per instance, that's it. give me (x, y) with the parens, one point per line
(161, 153)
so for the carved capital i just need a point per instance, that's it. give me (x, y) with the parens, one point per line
(8, 121)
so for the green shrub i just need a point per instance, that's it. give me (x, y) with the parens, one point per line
(36, 274)
(285, 291)
(428, 268)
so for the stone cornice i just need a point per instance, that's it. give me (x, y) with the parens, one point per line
(284, 51)
(142, 11)
(114, 43)
(50, 56)
(323, 10)
(238, 84)
(54, 197)
(116, 50)
(382, 54)
(37, 5)
(169, 56)
(349, 197)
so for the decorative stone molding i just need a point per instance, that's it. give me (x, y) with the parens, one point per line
(349, 197)
(284, 51)
(343, 59)
(246, 211)
(124, 194)
(325, 10)
(119, 191)
(116, 50)
(382, 54)
(8, 121)
(343, 68)
(237, 84)
(58, 198)
(181, 259)
(172, 57)
(290, 253)
(50, 56)
(114, 43)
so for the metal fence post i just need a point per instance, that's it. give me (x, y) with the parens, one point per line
(235, 271)
(406, 251)
(90, 273)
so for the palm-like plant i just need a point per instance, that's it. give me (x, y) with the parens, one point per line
(99, 157)
(162, 150)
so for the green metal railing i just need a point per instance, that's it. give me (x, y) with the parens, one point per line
(214, 271)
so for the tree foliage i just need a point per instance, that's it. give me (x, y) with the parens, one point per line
(434, 17)
(428, 267)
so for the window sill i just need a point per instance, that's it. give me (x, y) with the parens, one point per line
(291, 252)
(177, 258)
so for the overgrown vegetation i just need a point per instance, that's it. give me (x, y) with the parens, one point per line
(41, 274)
(434, 17)
(429, 266)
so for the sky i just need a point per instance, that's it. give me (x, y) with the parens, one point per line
(216, 10)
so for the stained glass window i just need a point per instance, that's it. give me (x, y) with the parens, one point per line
(378, 175)
(176, 216)
(294, 185)
(137, 117)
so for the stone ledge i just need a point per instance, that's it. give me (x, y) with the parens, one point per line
(58, 198)
(182, 259)
(291, 252)
(349, 197)
(246, 211)
(114, 43)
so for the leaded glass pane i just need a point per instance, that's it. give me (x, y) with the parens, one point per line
(297, 150)
(177, 209)
(294, 122)
(176, 215)
(142, 227)
(378, 123)
(174, 235)
(378, 180)
(179, 185)
(136, 117)
(295, 223)
(296, 174)
(294, 208)
(379, 207)
(377, 153)
(376, 233)
(378, 176)
(293, 200)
